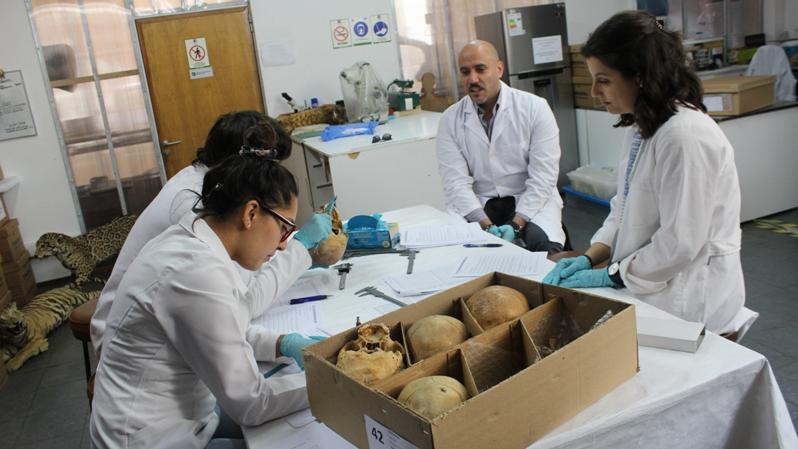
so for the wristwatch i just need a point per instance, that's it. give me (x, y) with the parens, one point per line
(516, 227)
(614, 271)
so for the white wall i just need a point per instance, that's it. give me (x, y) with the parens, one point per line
(42, 202)
(303, 27)
(583, 16)
(780, 19)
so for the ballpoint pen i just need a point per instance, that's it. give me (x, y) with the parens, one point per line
(482, 245)
(307, 299)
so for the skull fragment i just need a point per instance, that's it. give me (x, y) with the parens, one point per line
(432, 396)
(433, 334)
(373, 356)
(330, 250)
(496, 304)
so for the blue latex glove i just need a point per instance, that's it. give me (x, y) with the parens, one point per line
(314, 231)
(505, 232)
(588, 279)
(291, 345)
(566, 268)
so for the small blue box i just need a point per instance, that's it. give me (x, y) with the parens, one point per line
(365, 231)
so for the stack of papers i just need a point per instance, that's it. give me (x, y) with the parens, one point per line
(302, 318)
(441, 235)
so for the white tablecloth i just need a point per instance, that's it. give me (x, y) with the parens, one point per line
(724, 396)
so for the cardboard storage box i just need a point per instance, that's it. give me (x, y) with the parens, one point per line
(735, 95)
(3, 374)
(524, 377)
(5, 299)
(11, 245)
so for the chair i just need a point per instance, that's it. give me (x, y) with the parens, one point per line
(772, 60)
(80, 323)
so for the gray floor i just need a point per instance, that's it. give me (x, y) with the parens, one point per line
(44, 403)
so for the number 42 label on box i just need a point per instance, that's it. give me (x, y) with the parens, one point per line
(381, 437)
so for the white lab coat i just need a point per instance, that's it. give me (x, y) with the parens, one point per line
(521, 159)
(176, 344)
(772, 60)
(173, 201)
(176, 199)
(678, 236)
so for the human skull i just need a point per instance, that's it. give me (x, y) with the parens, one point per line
(433, 334)
(373, 356)
(496, 304)
(330, 250)
(432, 396)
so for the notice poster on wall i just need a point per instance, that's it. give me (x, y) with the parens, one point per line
(547, 49)
(16, 119)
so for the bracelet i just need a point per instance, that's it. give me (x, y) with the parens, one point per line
(588, 259)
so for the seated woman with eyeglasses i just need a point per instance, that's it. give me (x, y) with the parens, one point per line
(179, 338)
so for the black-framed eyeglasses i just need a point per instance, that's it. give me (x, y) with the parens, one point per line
(288, 227)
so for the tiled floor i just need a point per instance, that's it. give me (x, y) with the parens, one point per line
(44, 403)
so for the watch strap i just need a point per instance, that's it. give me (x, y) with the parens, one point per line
(615, 275)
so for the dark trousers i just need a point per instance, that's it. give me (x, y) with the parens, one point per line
(502, 210)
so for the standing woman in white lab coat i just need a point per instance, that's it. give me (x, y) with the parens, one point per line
(179, 339)
(673, 233)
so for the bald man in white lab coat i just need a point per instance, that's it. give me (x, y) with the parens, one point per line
(499, 154)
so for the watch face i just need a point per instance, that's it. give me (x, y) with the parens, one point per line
(613, 268)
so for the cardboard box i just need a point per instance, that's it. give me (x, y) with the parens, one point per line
(3, 211)
(5, 299)
(735, 95)
(3, 374)
(21, 283)
(671, 334)
(11, 245)
(3, 286)
(520, 390)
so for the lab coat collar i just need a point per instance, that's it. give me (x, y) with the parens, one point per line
(199, 228)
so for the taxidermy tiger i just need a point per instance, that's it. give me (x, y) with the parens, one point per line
(81, 254)
(328, 113)
(23, 333)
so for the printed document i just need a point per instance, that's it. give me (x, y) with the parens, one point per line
(529, 264)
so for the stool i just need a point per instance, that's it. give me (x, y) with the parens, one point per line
(80, 323)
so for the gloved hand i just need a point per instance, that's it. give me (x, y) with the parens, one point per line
(291, 345)
(314, 231)
(566, 268)
(588, 279)
(505, 232)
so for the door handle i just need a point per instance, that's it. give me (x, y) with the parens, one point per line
(169, 143)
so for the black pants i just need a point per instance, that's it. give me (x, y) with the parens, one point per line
(502, 211)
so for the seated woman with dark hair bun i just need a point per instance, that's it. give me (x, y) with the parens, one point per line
(228, 136)
(178, 339)
(673, 233)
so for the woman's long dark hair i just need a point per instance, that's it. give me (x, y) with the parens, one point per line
(232, 130)
(633, 43)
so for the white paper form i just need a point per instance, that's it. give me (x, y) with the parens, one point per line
(522, 265)
(547, 49)
(441, 235)
(313, 436)
(347, 312)
(302, 318)
(303, 288)
(423, 282)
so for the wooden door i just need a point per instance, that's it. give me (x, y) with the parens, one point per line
(185, 108)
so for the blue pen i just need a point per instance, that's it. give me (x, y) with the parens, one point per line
(307, 299)
(274, 370)
(483, 245)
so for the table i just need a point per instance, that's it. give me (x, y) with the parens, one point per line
(723, 396)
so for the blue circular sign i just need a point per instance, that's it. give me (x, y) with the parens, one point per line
(360, 29)
(380, 28)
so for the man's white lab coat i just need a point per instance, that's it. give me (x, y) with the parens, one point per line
(521, 159)
(678, 236)
(177, 342)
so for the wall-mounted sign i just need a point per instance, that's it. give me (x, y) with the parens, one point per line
(547, 49)
(197, 53)
(381, 27)
(361, 30)
(340, 33)
(16, 119)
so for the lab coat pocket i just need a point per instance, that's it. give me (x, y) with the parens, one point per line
(173, 433)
